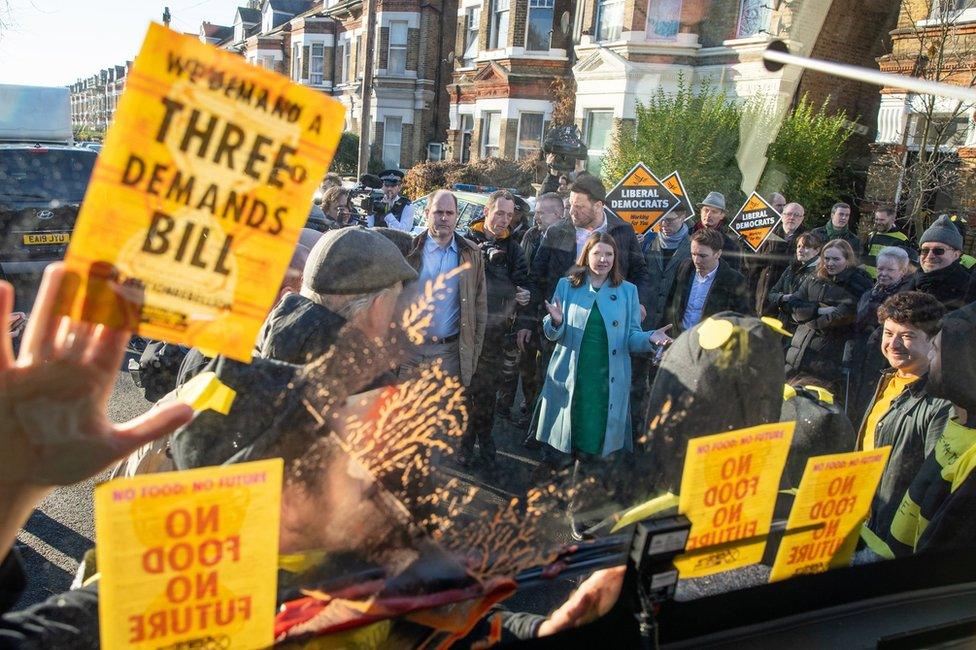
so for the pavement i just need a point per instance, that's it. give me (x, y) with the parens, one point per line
(62, 528)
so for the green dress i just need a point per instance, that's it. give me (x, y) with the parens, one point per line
(591, 397)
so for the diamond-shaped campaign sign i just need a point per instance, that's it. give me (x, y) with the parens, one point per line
(755, 221)
(673, 182)
(641, 199)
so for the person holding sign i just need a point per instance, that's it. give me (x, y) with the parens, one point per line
(902, 414)
(594, 319)
(53, 425)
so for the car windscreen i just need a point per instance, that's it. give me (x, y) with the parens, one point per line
(41, 174)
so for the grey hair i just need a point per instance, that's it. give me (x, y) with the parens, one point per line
(895, 253)
(554, 197)
(348, 305)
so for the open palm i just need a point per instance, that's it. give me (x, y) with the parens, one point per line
(53, 427)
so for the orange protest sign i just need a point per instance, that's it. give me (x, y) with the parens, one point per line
(197, 199)
(673, 182)
(836, 492)
(641, 199)
(189, 559)
(755, 221)
(728, 492)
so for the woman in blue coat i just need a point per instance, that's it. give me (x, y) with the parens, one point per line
(594, 319)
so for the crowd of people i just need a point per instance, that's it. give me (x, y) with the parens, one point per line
(580, 311)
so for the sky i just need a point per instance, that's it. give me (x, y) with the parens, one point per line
(57, 42)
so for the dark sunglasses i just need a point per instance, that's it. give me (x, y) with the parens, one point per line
(938, 251)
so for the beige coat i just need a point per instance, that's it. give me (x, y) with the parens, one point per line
(474, 300)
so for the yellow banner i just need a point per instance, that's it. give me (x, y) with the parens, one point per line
(189, 559)
(836, 492)
(196, 201)
(728, 491)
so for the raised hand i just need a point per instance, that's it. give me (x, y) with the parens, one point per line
(53, 426)
(555, 311)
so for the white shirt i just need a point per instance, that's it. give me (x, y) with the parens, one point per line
(582, 234)
(700, 286)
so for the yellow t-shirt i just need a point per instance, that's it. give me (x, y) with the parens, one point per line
(891, 391)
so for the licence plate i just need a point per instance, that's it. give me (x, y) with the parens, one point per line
(41, 238)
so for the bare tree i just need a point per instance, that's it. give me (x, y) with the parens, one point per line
(929, 44)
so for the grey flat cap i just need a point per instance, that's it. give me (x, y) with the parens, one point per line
(355, 260)
(715, 200)
(942, 231)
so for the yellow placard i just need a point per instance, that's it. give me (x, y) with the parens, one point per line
(835, 492)
(197, 198)
(755, 221)
(189, 559)
(728, 492)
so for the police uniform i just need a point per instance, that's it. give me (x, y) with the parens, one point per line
(390, 215)
(879, 240)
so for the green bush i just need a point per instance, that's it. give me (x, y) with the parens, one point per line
(346, 159)
(696, 133)
(802, 160)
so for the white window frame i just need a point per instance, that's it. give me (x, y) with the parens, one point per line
(500, 16)
(473, 15)
(400, 49)
(467, 128)
(347, 64)
(540, 5)
(340, 76)
(590, 151)
(529, 152)
(486, 121)
(316, 78)
(659, 13)
(611, 32)
(754, 17)
(296, 61)
(388, 160)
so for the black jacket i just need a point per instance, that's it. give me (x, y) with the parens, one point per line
(662, 275)
(502, 276)
(733, 251)
(557, 255)
(298, 331)
(911, 426)
(775, 255)
(727, 293)
(947, 285)
(789, 281)
(817, 347)
(848, 236)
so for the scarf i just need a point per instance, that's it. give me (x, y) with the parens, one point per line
(833, 233)
(675, 240)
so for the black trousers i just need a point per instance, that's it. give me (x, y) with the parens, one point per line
(482, 393)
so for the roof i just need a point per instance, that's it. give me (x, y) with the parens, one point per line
(249, 15)
(293, 7)
(216, 31)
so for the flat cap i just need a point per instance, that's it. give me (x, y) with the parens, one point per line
(355, 260)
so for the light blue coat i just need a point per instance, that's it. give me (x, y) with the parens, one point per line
(620, 309)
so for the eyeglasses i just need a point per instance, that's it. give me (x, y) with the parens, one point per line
(938, 251)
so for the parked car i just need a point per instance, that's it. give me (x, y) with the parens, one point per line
(471, 199)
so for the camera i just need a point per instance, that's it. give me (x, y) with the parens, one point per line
(566, 144)
(364, 196)
(493, 253)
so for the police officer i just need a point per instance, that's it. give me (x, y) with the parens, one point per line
(390, 209)
(885, 233)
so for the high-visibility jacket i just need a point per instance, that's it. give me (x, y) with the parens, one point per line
(879, 240)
